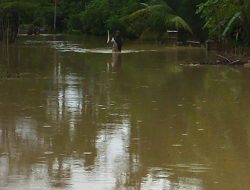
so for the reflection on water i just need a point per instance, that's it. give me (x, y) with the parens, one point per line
(141, 120)
(115, 63)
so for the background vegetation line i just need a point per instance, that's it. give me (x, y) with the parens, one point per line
(196, 19)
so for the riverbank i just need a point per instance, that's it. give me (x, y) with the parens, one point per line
(225, 55)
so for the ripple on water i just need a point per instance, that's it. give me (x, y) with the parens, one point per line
(177, 145)
(191, 168)
(67, 46)
(87, 153)
(47, 126)
(161, 172)
(48, 153)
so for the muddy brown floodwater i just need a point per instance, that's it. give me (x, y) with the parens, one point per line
(73, 116)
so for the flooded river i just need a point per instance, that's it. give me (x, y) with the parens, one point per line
(73, 116)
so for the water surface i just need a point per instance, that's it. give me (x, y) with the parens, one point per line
(73, 116)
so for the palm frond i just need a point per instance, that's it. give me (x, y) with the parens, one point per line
(231, 23)
(148, 10)
(153, 16)
(178, 22)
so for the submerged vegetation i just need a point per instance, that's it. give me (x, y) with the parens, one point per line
(225, 21)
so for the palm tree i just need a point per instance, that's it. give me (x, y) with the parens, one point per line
(155, 20)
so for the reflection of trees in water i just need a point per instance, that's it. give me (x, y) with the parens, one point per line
(155, 125)
(80, 112)
(9, 23)
(189, 120)
(96, 123)
(9, 64)
(67, 119)
(19, 146)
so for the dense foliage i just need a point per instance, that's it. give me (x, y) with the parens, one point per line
(134, 17)
(226, 19)
(220, 19)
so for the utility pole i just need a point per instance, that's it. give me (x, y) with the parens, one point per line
(55, 15)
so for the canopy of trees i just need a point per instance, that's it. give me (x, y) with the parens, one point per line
(219, 19)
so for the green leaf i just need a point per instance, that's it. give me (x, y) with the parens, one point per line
(231, 23)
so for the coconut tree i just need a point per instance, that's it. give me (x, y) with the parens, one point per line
(154, 20)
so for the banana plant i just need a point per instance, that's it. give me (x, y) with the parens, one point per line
(232, 21)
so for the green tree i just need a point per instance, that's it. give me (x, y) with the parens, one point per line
(226, 19)
(154, 19)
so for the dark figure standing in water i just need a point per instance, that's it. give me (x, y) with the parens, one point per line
(117, 41)
(116, 51)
